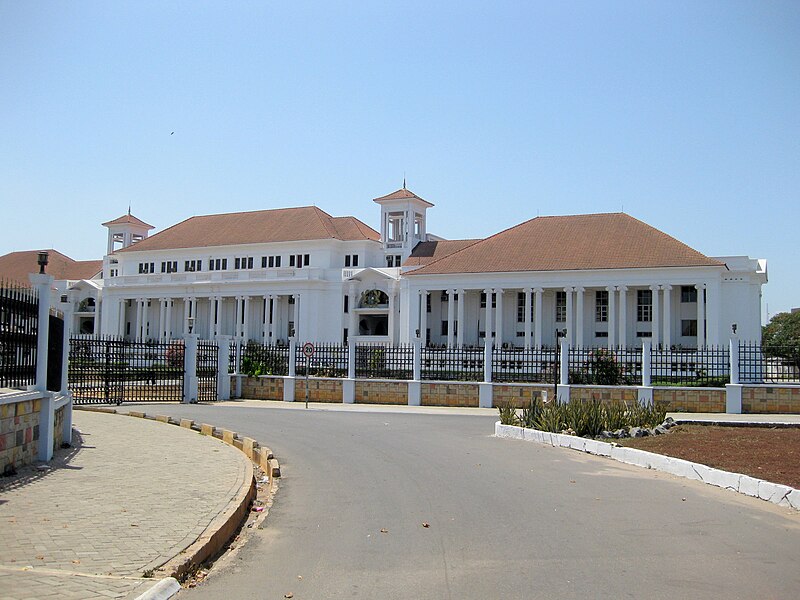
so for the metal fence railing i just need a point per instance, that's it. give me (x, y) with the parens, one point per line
(701, 367)
(19, 310)
(206, 370)
(258, 359)
(328, 360)
(525, 365)
(769, 363)
(601, 366)
(384, 362)
(452, 364)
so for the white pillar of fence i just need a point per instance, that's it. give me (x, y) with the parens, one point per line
(733, 390)
(42, 284)
(288, 382)
(223, 378)
(485, 389)
(190, 368)
(646, 362)
(415, 385)
(564, 363)
(66, 423)
(349, 384)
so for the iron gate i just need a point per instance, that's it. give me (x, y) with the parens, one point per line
(113, 371)
(207, 363)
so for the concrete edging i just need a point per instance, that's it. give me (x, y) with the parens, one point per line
(779, 494)
(225, 525)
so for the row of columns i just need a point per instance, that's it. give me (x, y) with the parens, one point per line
(575, 313)
(270, 321)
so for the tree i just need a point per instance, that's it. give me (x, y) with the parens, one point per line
(781, 337)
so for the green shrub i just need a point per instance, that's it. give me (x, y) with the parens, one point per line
(508, 414)
(616, 416)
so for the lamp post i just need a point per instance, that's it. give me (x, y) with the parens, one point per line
(190, 322)
(42, 260)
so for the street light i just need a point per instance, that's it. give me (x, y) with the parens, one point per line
(42, 261)
(190, 320)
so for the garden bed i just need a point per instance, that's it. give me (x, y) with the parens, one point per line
(772, 454)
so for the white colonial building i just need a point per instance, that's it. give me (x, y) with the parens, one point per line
(266, 276)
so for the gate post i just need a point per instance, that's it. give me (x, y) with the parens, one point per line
(288, 382)
(190, 369)
(223, 377)
(42, 283)
(349, 383)
(485, 389)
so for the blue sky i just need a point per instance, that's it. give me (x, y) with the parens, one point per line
(685, 114)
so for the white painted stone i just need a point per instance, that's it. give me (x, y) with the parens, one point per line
(773, 492)
(794, 499)
(748, 486)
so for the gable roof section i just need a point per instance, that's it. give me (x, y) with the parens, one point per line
(255, 227)
(16, 266)
(128, 219)
(401, 194)
(578, 242)
(426, 252)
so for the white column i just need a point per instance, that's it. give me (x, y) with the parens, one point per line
(265, 320)
(612, 316)
(423, 316)
(161, 319)
(211, 310)
(570, 317)
(498, 343)
(392, 294)
(623, 316)
(237, 317)
(137, 334)
(246, 320)
(537, 313)
(168, 319)
(527, 317)
(460, 320)
(701, 315)
(579, 317)
(654, 337)
(42, 283)
(450, 310)
(297, 331)
(667, 316)
(712, 314)
(186, 314)
(97, 308)
(123, 305)
(488, 318)
(352, 304)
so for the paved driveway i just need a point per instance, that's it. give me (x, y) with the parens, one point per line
(508, 519)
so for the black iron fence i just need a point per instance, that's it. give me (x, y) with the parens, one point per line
(114, 370)
(206, 370)
(19, 310)
(452, 364)
(525, 365)
(603, 366)
(770, 363)
(385, 362)
(701, 367)
(259, 359)
(328, 360)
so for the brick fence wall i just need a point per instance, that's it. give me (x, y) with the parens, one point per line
(519, 395)
(604, 394)
(319, 389)
(450, 394)
(704, 400)
(19, 433)
(262, 388)
(766, 399)
(381, 392)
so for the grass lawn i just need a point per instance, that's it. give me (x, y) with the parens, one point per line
(767, 453)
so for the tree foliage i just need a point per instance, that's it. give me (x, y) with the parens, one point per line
(781, 337)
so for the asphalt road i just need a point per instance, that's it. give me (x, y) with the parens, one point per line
(507, 519)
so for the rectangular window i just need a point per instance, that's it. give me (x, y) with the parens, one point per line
(355, 260)
(644, 306)
(390, 261)
(397, 260)
(237, 264)
(291, 260)
(277, 261)
(224, 264)
(561, 307)
(347, 260)
(688, 293)
(601, 306)
(427, 303)
(264, 262)
(444, 327)
(211, 264)
(601, 334)
(644, 334)
(689, 327)
(249, 262)
(344, 336)
(520, 334)
(483, 300)
(163, 266)
(346, 303)
(306, 260)
(521, 308)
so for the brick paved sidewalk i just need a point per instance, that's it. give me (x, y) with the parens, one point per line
(129, 496)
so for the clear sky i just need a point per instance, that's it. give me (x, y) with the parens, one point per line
(684, 114)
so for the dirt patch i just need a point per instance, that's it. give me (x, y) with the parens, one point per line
(765, 453)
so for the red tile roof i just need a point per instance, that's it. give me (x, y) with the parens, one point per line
(129, 218)
(427, 252)
(261, 226)
(579, 242)
(16, 266)
(401, 194)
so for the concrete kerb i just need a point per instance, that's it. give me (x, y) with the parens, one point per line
(223, 528)
(779, 494)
